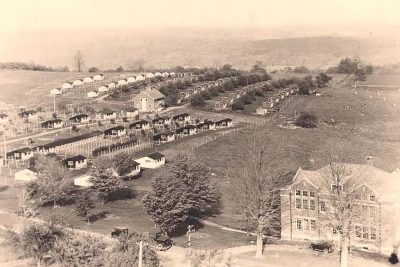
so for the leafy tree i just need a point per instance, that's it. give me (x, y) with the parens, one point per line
(197, 100)
(361, 75)
(209, 258)
(301, 69)
(322, 79)
(183, 189)
(52, 182)
(104, 183)
(206, 94)
(307, 120)
(306, 85)
(39, 240)
(237, 105)
(126, 254)
(74, 250)
(123, 163)
(348, 65)
(119, 69)
(93, 69)
(256, 188)
(84, 204)
(79, 62)
(369, 69)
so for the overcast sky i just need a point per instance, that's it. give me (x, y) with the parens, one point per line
(55, 14)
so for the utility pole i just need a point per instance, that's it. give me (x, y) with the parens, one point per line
(140, 254)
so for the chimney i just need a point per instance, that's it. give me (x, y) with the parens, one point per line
(369, 160)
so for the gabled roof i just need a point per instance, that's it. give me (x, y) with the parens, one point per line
(75, 158)
(153, 93)
(181, 115)
(156, 156)
(386, 184)
(79, 116)
(116, 128)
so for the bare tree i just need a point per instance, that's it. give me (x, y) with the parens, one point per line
(341, 188)
(78, 60)
(257, 186)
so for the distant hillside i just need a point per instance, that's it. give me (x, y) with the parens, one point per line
(171, 48)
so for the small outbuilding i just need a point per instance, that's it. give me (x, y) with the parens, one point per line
(140, 125)
(152, 161)
(25, 175)
(80, 118)
(75, 163)
(52, 124)
(115, 131)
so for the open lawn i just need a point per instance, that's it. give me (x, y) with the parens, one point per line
(370, 124)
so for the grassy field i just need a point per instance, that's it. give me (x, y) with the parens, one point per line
(371, 124)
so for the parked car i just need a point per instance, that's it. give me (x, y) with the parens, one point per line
(160, 241)
(323, 246)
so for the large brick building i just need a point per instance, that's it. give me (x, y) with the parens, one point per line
(376, 223)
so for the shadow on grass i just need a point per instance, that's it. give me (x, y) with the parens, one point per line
(98, 216)
(122, 194)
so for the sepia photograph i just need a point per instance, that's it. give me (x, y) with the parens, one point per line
(213, 133)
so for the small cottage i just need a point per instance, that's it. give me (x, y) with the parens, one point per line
(152, 161)
(150, 75)
(164, 137)
(157, 74)
(67, 85)
(106, 114)
(161, 121)
(115, 131)
(92, 94)
(186, 130)
(25, 175)
(88, 79)
(77, 82)
(103, 88)
(205, 126)
(140, 77)
(182, 118)
(83, 181)
(75, 163)
(112, 85)
(20, 154)
(225, 123)
(131, 79)
(56, 91)
(80, 118)
(140, 125)
(122, 82)
(98, 77)
(130, 112)
(165, 74)
(52, 124)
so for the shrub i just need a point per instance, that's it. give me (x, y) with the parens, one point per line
(206, 95)
(259, 92)
(307, 120)
(197, 101)
(246, 99)
(237, 105)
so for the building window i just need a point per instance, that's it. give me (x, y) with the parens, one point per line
(305, 204)
(313, 225)
(305, 193)
(297, 193)
(372, 198)
(365, 232)
(312, 194)
(335, 231)
(373, 233)
(306, 227)
(372, 212)
(337, 188)
(365, 212)
(322, 206)
(358, 231)
(298, 203)
(312, 204)
(298, 225)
